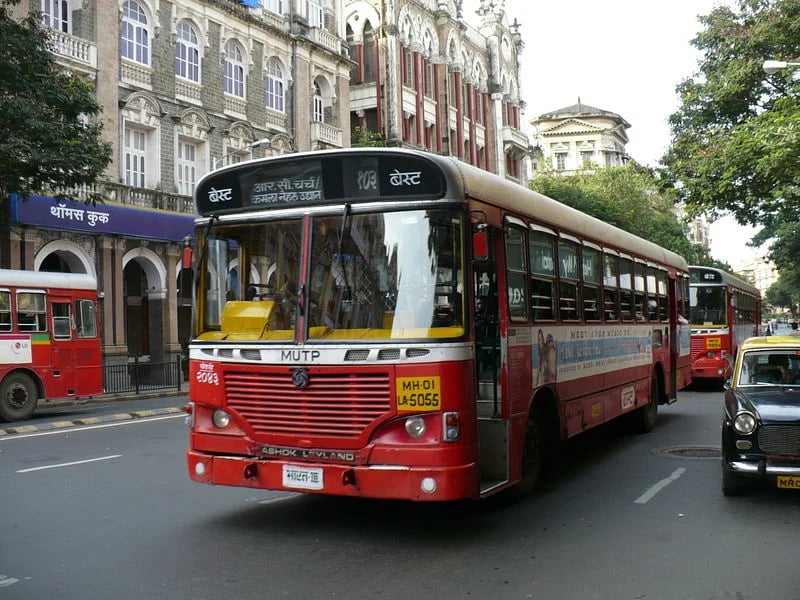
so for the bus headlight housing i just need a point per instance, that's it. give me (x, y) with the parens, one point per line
(744, 423)
(221, 419)
(415, 427)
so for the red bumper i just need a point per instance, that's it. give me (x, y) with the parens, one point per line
(375, 481)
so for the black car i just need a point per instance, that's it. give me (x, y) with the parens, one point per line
(761, 426)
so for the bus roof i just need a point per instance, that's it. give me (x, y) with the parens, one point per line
(456, 179)
(715, 276)
(46, 279)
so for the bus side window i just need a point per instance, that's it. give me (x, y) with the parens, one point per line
(31, 314)
(5, 311)
(61, 321)
(86, 319)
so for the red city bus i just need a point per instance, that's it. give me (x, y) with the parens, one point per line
(49, 340)
(725, 311)
(389, 323)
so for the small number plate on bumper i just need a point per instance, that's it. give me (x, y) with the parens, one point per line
(790, 482)
(303, 478)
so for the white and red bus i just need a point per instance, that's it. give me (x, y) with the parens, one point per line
(388, 323)
(50, 345)
(725, 311)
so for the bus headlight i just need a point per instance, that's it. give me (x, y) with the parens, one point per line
(415, 427)
(221, 419)
(744, 423)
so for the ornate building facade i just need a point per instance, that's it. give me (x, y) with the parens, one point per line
(423, 78)
(185, 86)
(579, 137)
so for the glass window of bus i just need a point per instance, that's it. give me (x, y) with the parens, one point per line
(516, 273)
(61, 321)
(590, 259)
(263, 259)
(639, 294)
(5, 310)
(31, 314)
(626, 289)
(707, 305)
(661, 288)
(390, 275)
(652, 294)
(542, 255)
(610, 286)
(569, 278)
(85, 318)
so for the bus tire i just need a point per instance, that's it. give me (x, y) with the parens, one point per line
(18, 397)
(644, 418)
(533, 454)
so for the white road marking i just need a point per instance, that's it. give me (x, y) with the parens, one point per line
(67, 431)
(6, 581)
(69, 464)
(648, 495)
(279, 499)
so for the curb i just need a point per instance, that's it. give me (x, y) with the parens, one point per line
(129, 416)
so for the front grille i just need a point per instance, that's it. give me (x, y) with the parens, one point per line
(780, 439)
(698, 345)
(338, 405)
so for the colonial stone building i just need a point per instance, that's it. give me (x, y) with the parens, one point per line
(579, 137)
(422, 77)
(185, 86)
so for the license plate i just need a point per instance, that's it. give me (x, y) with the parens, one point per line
(302, 478)
(790, 482)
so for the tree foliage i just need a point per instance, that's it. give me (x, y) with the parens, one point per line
(49, 137)
(363, 137)
(630, 198)
(736, 135)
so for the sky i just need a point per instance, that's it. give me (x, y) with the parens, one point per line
(624, 56)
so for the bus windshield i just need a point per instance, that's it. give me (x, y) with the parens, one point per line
(388, 275)
(707, 305)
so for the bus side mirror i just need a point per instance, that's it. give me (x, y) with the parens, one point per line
(480, 244)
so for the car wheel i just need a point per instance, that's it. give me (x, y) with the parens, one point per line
(18, 397)
(733, 484)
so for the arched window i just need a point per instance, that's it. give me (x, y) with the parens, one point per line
(318, 106)
(187, 52)
(274, 85)
(135, 39)
(234, 69)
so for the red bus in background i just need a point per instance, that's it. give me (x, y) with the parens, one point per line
(49, 340)
(389, 323)
(725, 311)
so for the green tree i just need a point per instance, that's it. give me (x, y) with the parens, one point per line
(50, 139)
(363, 137)
(784, 293)
(630, 198)
(736, 134)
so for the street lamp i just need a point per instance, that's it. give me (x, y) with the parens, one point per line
(773, 66)
(263, 142)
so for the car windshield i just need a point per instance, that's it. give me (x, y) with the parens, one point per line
(770, 367)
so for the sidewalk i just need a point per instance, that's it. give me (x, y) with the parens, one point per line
(181, 396)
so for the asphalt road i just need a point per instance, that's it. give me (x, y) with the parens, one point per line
(107, 511)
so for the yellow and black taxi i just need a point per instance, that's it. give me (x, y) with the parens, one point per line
(761, 427)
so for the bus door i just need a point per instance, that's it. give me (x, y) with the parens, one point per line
(674, 338)
(492, 427)
(62, 347)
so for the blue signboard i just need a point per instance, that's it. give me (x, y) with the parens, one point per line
(108, 218)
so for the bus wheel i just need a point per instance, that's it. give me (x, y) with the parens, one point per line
(644, 418)
(532, 454)
(18, 397)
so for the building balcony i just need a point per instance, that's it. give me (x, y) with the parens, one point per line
(323, 134)
(363, 96)
(279, 22)
(514, 139)
(325, 38)
(137, 74)
(109, 191)
(74, 53)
